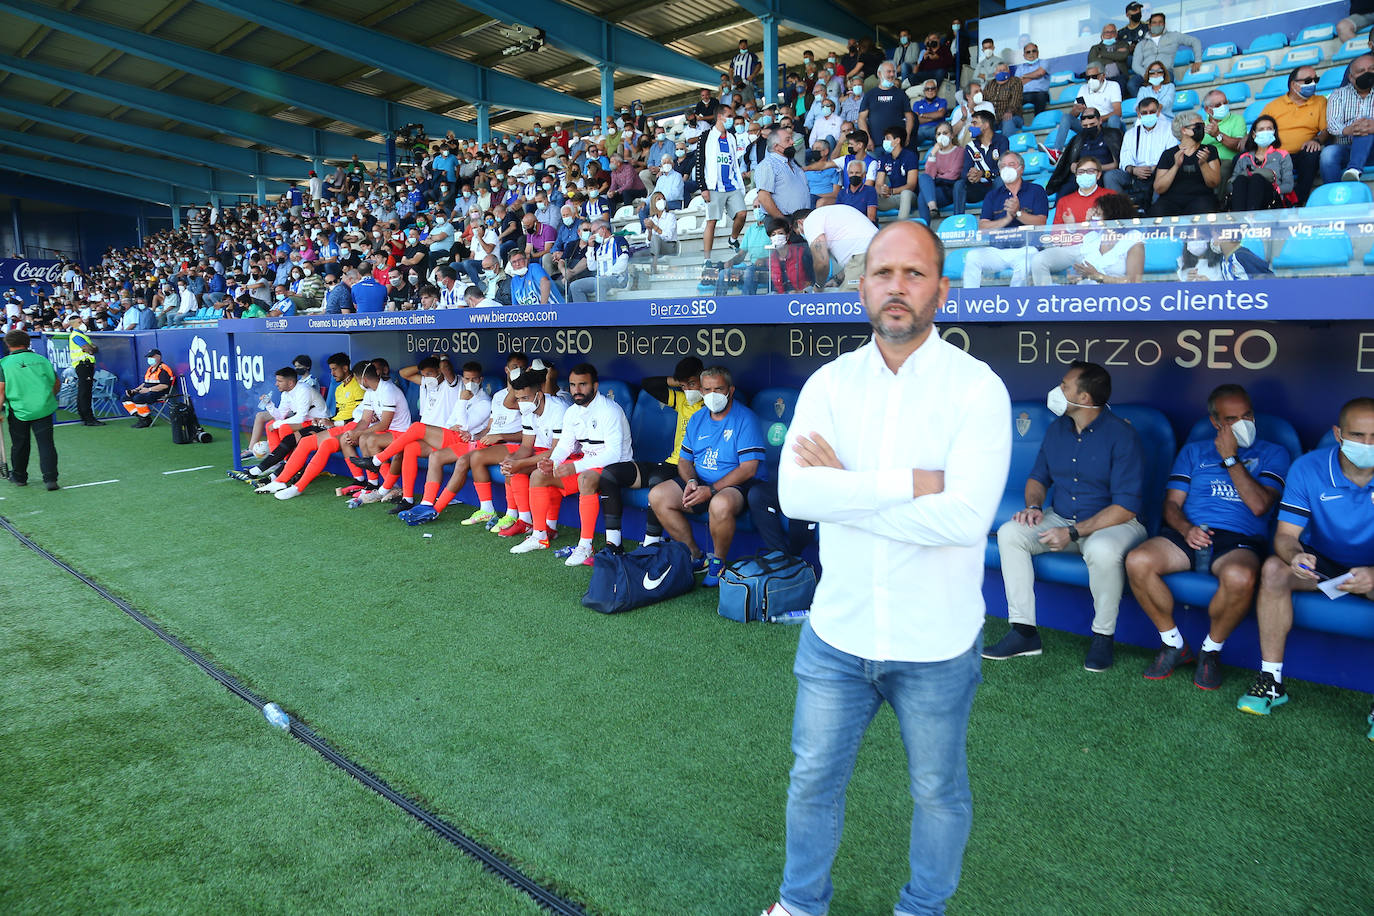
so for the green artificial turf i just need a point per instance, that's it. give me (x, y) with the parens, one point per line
(131, 781)
(638, 762)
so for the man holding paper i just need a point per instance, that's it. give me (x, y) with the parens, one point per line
(1325, 532)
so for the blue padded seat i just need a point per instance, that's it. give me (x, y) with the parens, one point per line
(1270, 42)
(774, 408)
(1321, 249)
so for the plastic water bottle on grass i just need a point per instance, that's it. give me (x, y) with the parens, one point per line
(277, 716)
(791, 617)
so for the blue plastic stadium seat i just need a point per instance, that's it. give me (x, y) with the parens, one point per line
(1327, 440)
(774, 408)
(1271, 42)
(1369, 257)
(1061, 77)
(1047, 119)
(1329, 81)
(1185, 100)
(1161, 255)
(1067, 94)
(1036, 161)
(1022, 142)
(1273, 87)
(1236, 93)
(1314, 33)
(1340, 194)
(1219, 51)
(652, 427)
(617, 391)
(1351, 50)
(954, 263)
(1029, 420)
(1320, 249)
(1158, 443)
(1206, 74)
(1128, 108)
(1183, 56)
(960, 224)
(1269, 427)
(1307, 56)
(1248, 65)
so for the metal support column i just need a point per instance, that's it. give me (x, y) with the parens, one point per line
(17, 226)
(770, 59)
(607, 94)
(483, 122)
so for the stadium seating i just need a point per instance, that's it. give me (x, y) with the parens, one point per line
(1037, 162)
(1061, 77)
(1219, 51)
(1340, 194)
(1308, 56)
(1161, 255)
(1128, 108)
(1185, 100)
(774, 408)
(1330, 80)
(1273, 88)
(1270, 42)
(1320, 249)
(1350, 50)
(1314, 33)
(1247, 66)
(1046, 120)
(1207, 73)
(1022, 142)
(1183, 56)
(1268, 427)
(1067, 94)
(1236, 93)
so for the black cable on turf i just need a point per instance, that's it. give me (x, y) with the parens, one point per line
(541, 895)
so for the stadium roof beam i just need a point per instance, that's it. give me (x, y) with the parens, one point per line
(434, 69)
(593, 38)
(296, 91)
(192, 177)
(190, 149)
(235, 122)
(815, 16)
(158, 192)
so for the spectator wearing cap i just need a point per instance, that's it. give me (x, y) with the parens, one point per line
(157, 383)
(1301, 118)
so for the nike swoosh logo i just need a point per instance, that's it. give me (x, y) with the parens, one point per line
(1327, 499)
(652, 584)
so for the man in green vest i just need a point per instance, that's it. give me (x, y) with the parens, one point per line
(83, 352)
(28, 394)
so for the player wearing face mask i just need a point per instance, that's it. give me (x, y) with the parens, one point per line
(1094, 462)
(1217, 508)
(468, 417)
(681, 392)
(501, 436)
(345, 400)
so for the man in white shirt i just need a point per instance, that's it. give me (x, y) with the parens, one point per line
(541, 427)
(1101, 95)
(468, 418)
(293, 410)
(719, 174)
(502, 437)
(900, 451)
(385, 413)
(1141, 147)
(596, 433)
(838, 234)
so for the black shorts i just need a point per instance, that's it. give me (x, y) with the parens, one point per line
(744, 488)
(1223, 542)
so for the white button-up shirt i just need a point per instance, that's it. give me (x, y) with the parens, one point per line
(902, 577)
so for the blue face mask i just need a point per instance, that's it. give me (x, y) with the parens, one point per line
(1307, 90)
(975, 131)
(1108, 42)
(1360, 454)
(1149, 120)
(1003, 76)
(887, 146)
(886, 84)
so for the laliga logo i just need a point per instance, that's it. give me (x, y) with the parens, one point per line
(24, 273)
(207, 364)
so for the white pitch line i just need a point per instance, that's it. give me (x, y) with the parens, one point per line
(96, 483)
(184, 470)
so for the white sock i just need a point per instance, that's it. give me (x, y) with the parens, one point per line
(552, 526)
(1209, 646)
(526, 518)
(1274, 668)
(1172, 638)
(651, 539)
(584, 542)
(613, 536)
(487, 506)
(428, 502)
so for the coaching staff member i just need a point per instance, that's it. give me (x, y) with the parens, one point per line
(900, 451)
(28, 393)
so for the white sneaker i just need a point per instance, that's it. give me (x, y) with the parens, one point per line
(1350, 175)
(287, 493)
(255, 471)
(579, 556)
(378, 495)
(776, 909)
(275, 486)
(536, 541)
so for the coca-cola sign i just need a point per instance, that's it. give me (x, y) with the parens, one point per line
(21, 272)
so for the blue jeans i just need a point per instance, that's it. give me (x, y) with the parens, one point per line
(1338, 157)
(838, 695)
(941, 193)
(925, 133)
(1070, 122)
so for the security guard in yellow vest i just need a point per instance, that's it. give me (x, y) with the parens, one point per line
(83, 352)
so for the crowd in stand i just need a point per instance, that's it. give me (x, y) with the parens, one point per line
(536, 218)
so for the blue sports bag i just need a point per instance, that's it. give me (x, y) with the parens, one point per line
(625, 581)
(765, 586)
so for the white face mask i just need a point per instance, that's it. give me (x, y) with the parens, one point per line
(692, 395)
(472, 386)
(428, 384)
(1244, 431)
(1094, 84)
(660, 205)
(526, 408)
(779, 241)
(516, 272)
(943, 139)
(1197, 248)
(978, 98)
(1058, 403)
(1008, 174)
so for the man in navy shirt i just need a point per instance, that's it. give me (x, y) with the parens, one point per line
(1093, 460)
(885, 106)
(1325, 531)
(1220, 495)
(1012, 204)
(722, 453)
(898, 170)
(855, 193)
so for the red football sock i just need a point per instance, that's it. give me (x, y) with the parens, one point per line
(431, 491)
(483, 489)
(410, 465)
(444, 499)
(273, 438)
(300, 455)
(518, 490)
(413, 433)
(317, 463)
(588, 505)
(555, 503)
(539, 504)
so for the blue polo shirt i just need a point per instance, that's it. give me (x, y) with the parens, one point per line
(1091, 470)
(1212, 499)
(1033, 200)
(717, 447)
(861, 200)
(930, 106)
(369, 295)
(1336, 516)
(899, 166)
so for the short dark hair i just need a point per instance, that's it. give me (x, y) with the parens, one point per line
(1115, 205)
(303, 360)
(1349, 407)
(360, 367)
(585, 369)
(448, 272)
(1094, 381)
(896, 132)
(429, 362)
(472, 365)
(17, 340)
(857, 134)
(287, 372)
(689, 366)
(338, 359)
(521, 357)
(1229, 390)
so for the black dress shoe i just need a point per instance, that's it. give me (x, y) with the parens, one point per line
(92, 422)
(51, 485)
(19, 483)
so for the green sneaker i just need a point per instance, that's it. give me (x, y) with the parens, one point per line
(503, 522)
(480, 517)
(1262, 696)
